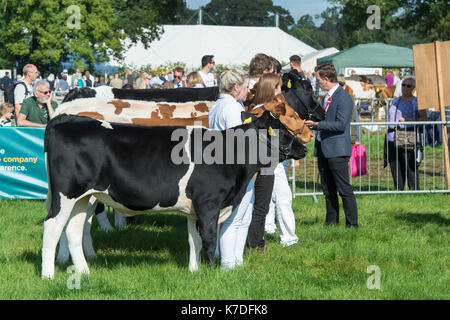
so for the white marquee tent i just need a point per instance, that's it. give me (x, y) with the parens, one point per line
(309, 61)
(229, 45)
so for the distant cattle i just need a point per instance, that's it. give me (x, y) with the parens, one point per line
(363, 89)
(132, 168)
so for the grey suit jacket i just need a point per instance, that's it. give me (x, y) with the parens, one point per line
(335, 129)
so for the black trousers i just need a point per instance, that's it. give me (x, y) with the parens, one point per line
(263, 195)
(334, 175)
(404, 168)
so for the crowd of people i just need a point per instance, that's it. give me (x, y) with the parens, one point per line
(268, 198)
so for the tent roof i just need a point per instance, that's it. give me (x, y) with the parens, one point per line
(229, 45)
(309, 61)
(371, 55)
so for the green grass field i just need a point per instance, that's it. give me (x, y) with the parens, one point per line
(406, 236)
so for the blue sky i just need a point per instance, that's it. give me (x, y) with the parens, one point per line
(297, 8)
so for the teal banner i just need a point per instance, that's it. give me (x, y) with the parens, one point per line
(22, 163)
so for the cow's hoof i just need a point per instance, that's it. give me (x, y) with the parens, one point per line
(62, 260)
(119, 220)
(103, 222)
(193, 269)
(46, 276)
(83, 271)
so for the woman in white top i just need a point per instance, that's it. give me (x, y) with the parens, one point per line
(225, 113)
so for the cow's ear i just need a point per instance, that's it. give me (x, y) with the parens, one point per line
(279, 110)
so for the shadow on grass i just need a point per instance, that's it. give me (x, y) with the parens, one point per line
(138, 243)
(424, 218)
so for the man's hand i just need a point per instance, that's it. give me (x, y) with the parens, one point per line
(49, 100)
(310, 123)
(51, 111)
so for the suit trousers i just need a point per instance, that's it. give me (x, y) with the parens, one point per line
(334, 175)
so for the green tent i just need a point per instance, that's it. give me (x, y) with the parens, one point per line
(371, 55)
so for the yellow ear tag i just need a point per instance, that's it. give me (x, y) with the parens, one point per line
(289, 85)
(272, 132)
(248, 120)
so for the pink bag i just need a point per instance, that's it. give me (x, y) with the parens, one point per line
(358, 165)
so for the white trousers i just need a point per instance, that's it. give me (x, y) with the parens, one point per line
(281, 207)
(233, 233)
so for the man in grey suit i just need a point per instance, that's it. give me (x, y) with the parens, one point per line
(333, 147)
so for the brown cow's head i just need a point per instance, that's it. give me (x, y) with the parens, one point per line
(287, 115)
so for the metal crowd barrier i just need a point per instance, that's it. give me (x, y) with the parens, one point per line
(370, 103)
(378, 180)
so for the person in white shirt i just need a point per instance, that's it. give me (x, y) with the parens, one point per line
(21, 92)
(225, 113)
(208, 64)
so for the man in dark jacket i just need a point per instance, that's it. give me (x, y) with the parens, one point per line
(5, 81)
(296, 67)
(333, 147)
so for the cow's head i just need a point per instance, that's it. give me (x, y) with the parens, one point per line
(299, 95)
(288, 146)
(287, 115)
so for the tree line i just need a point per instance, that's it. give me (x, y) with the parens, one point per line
(47, 32)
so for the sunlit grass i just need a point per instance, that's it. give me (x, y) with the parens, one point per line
(406, 236)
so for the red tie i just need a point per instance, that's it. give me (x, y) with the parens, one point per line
(328, 103)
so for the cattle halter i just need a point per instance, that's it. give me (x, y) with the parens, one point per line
(293, 132)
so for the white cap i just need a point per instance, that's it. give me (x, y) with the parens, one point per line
(65, 71)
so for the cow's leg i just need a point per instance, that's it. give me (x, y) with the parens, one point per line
(208, 216)
(195, 244)
(63, 250)
(88, 247)
(119, 220)
(53, 228)
(74, 231)
(102, 217)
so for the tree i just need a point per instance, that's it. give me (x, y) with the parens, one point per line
(48, 32)
(430, 18)
(141, 20)
(247, 13)
(321, 37)
(413, 21)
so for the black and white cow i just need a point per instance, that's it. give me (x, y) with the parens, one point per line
(132, 169)
(155, 95)
(108, 94)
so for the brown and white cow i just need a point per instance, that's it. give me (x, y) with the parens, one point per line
(137, 112)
